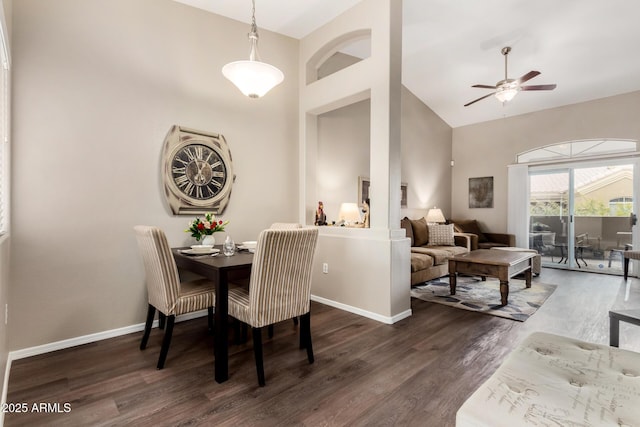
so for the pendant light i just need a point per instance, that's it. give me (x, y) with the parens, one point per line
(253, 77)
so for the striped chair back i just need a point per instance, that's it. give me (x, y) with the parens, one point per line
(163, 282)
(280, 284)
(285, 225)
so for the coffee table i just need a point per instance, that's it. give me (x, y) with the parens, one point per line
(487, 263)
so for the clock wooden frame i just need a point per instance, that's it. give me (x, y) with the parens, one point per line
(199, 201)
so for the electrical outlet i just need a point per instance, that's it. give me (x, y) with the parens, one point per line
(325, 268)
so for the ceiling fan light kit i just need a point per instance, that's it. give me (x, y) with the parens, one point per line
(507, 89)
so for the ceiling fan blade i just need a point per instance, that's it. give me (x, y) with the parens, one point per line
(484, 86)
(538, 87)
(479, 99)
(528, 76)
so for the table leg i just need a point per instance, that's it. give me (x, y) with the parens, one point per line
(221, 344)
(614, 331)
(504, 291)
(452, 283)
(527, 274)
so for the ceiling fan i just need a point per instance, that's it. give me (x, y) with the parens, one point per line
(506, 89)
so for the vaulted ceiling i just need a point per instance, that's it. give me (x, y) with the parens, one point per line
(589, 48)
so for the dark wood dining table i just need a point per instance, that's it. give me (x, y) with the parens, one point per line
(217, 269)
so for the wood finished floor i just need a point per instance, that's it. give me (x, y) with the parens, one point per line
(416, 372)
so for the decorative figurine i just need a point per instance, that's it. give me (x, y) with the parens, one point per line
(321, 218)
(365, 210)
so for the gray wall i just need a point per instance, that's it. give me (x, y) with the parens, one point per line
(485, 149)
(97, 84)
(343, 155)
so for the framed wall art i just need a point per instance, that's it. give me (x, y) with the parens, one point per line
(363, 189)
(364, 184)
(481, 192)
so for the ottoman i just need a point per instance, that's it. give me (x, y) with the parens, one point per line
(550, 380)
(537, 262)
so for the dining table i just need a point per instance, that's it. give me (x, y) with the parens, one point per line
(217, 269)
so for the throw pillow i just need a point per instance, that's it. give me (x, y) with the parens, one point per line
(471, 226)
(420, 232)
(441, 235)
(408, 229)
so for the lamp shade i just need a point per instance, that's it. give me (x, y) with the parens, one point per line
(253, 78)
(434, 216)
(349, 213)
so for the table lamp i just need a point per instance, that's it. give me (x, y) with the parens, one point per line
(349, 214)
(435, 216)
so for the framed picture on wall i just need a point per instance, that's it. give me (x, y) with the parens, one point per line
(481, 192)
(363, 189)
(364, 184)
(403, 195)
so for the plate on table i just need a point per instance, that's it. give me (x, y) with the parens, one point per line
(200, 252)
(246, 248)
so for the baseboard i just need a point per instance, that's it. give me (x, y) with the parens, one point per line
(361, 312)
(86, 339)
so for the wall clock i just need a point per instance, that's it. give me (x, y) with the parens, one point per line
(197, 171)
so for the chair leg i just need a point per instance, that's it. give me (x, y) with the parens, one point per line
(257, 351)
(626, 268)
(295, 321)
(151, 312)
(210, 319)
(270, 331)
(166, 341)
(161, 320)
(305, 330)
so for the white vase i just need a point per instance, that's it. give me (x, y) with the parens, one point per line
(208, 240)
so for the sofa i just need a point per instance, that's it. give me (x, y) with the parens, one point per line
(429, 257)
(481, 239)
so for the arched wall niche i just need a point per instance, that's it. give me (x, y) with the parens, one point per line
(338, 54)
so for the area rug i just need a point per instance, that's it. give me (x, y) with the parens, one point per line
(484, 297)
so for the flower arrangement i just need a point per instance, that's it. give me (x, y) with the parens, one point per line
(205, 227)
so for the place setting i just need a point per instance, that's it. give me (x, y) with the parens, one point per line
(249, 246)
(201, 250)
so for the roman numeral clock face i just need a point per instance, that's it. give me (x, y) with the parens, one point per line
(198, 172)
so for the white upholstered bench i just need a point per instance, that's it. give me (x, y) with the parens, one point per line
(549, 380)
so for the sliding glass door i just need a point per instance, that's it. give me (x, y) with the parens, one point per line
(549, 215)
(580, 214)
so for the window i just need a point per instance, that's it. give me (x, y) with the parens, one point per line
(621, 206)
(578, 149)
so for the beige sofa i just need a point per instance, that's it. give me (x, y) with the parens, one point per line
(429, 262)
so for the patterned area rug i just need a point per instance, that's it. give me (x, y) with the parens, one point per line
(484, 297)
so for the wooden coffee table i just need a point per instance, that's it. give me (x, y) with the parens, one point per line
(486, 263)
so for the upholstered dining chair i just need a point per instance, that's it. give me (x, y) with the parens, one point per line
(279, 287)
(285, 225)
(165, 291)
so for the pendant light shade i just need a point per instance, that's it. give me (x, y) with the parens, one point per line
(253, 77)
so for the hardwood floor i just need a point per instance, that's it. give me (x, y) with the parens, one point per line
(415, 372)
